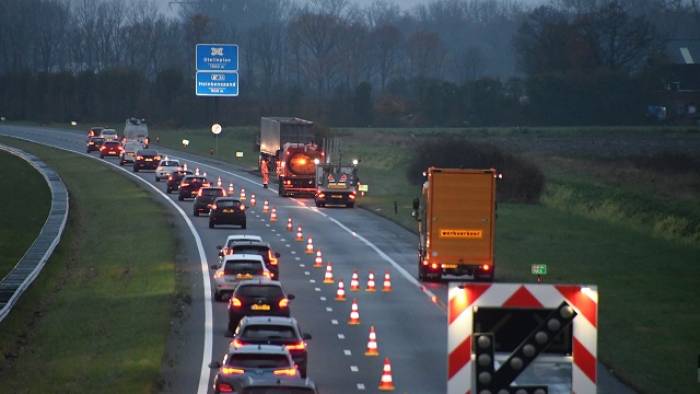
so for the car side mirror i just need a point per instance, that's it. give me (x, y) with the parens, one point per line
(214, 365)
(306, 336)
(277, 254)
(219, 247)
(214, 266)
(290, 297)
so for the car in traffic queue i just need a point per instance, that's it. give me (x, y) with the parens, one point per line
(257, 361)
(234, 269)
(94, 144)
(227, 210)
(267, 385)
(205, 199)
(174, 179)
(129, 153)
(274, 330)
(260, 248)
(109, 134)
(165, 168)
(146, 159)
(190, 185)
(94, 131)
(111, 148)
(233, 239)
(257, 297)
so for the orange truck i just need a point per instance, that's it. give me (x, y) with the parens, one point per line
(456, 215)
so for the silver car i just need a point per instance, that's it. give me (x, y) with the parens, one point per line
(236, 268)
(129, 153)
(166, 167)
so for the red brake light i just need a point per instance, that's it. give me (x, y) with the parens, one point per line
(242, 207)
(156, 158)
(236, 303)
(286, 372)
(273, 259)
(321, 195)
(213, 207)
(486, 267)
(352, 196)
(237, 343)
(184, 184)
(170, 177)
(301, 345)
(139, 157)
(199, 193)
(284, 302)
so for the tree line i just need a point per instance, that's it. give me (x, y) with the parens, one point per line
(445, 63)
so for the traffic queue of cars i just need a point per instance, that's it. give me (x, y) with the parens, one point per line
(268, 350)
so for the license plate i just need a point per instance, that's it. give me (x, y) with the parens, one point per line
(112, 153)
(263, 307)
(337, 196)
(449, 265)
(149, 159)
(228, 210)
(244, 276)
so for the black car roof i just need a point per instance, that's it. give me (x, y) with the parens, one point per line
(228, 199)
(251, 243)
(147, 152)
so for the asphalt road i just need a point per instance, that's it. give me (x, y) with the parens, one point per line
(410, 321)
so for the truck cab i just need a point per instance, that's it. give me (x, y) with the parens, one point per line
(336, 185)
(456, 224)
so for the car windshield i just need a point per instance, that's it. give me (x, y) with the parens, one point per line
(277, 390)
(170, 164)
(213, 192)
(260, 291)
(228, 204)
(111, 144)
(268, 331)
(132, 147)
(251, 249)
(257, 360)
(243, 267)
(147, 153)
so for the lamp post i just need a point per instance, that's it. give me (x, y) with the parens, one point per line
(216, 130)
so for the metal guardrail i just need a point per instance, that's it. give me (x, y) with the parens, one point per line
(30, 265)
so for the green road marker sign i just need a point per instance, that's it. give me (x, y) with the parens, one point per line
(538, 269)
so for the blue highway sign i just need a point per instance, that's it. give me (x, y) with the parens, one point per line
(217, 57)
(216, 83)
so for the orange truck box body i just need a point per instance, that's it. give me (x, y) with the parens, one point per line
(457, 226)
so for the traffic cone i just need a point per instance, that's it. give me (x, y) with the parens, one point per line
(340, 293)
(372, 348)
(242, 197)
(196, 171)
(273, 215)
(318, 261)
(354, 314)
(387, 282)
(328, 276)
(266, 206)
(371, 287)
(300, 234)
(386, 383)
(252, 200)
(290, 225)
(355, 282)
(218, 181)
(309, 246)
(184, 167)
(230, 189)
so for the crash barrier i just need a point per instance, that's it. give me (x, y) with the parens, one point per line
(14, 284)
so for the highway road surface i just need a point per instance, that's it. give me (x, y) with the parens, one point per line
(410, 321)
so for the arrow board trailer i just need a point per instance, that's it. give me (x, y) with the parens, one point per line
(497, 331)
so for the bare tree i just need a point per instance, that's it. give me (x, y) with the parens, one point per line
(386, 46)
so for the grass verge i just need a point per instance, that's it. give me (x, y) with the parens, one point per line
(98, 316)
(22, 212)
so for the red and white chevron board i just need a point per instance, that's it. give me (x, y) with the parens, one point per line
(460, 319)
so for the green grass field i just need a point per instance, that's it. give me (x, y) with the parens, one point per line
(97, 318)
(22, 212)
(599, 222)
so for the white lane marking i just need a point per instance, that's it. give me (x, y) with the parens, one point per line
(322, 298)
(354, 368)
(302, 265)
(329, 309)
(360, 387)
(293, 252)
(334, 322)
(282, 240)
(273, 230)
(347, 352)
(307, 273)
(287, 245)
(297, 258)
(267, 225)
(364, 240)
(317, 289)
(341, 336)
(312, 280)
(205, 372)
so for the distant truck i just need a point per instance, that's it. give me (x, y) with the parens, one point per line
(336, 185)
(136, 130)
(288, 146)
(456, 223)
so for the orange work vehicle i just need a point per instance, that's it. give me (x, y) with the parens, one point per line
(456, 215)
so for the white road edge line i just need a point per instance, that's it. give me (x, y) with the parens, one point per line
(364, 240)
(205, 372)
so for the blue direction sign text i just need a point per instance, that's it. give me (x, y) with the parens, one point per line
(217, 83)
(217, 57)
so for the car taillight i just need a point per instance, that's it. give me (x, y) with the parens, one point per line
(285, 372)
(352, 196)
(241, 207)
(425, 262)
(139, 157)
(273, 259)
(486, 267)
(184, 184)
(213, 207)
(284, 302)
(103, 147)
(321, 195)
(224, 388)
(235, 302)
(227, 250)
(91, 143)
(219, 274)
(232, 371)
(156, 158)
(267, 274)
(237, 343)
(170, 177)
(199, 193)
(301, 345)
